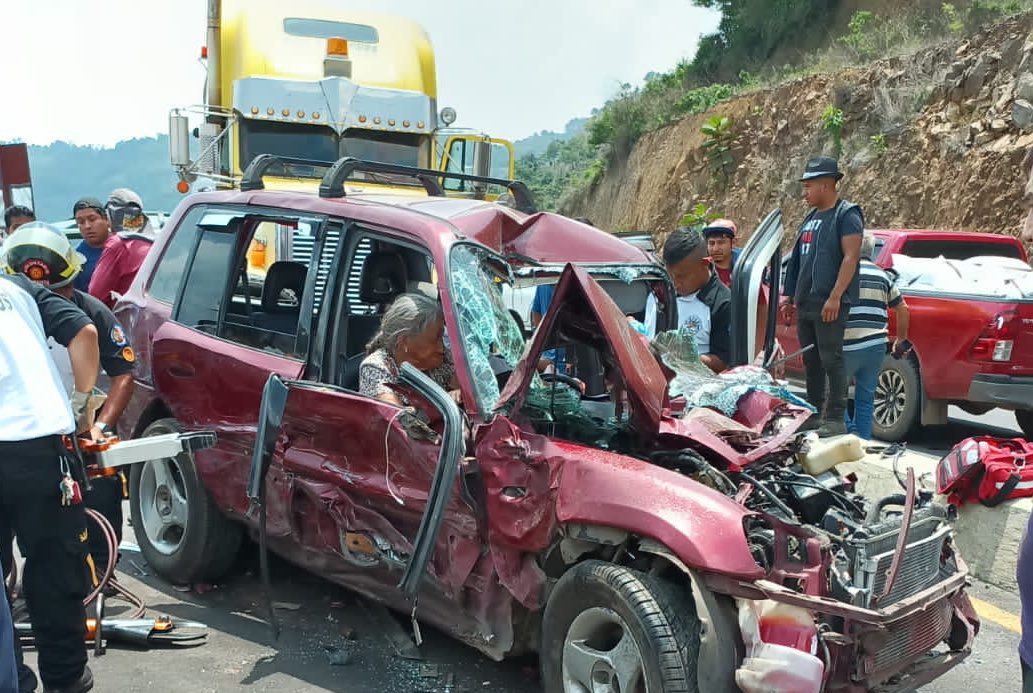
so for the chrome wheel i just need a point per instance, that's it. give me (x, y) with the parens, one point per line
(600, 655)
(163, 504)
(890, 398)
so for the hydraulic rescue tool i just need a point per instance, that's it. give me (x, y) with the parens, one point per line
(97, 459)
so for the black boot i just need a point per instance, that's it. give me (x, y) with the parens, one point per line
(81, 685)
(832, 428)
(27, 681)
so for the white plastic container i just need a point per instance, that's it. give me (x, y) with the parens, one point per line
(823, 455)
(774, 668)
(779, 669)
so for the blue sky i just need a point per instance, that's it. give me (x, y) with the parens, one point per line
(99, 71)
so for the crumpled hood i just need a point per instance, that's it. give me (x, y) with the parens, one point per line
(584, 310)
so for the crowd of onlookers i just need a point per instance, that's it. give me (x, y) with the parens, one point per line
(116, 236)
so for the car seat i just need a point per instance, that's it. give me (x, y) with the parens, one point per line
(384, 278)
(281, 297)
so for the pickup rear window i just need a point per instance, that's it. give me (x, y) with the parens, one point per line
(959, 250)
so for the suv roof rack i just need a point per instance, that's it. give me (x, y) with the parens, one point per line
(332, 184)
(260, 165)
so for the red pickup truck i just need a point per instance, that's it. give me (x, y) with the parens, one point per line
(973, 349)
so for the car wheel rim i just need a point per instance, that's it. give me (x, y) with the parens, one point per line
(163, 504)
(890, 398)
(600, 655)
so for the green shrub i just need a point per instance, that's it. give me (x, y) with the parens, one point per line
(982, 12)
(721, 139)
(832, 122)
(620, 122)
(861, 37)
(698, 216)
(879, 143)
(953, 19)
(595, 171)
(704, 98)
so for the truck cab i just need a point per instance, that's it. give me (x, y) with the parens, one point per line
(316, 83)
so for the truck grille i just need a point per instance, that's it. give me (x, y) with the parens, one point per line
(911, 637)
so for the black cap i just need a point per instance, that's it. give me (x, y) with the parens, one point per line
(821, 167)
(89, 203)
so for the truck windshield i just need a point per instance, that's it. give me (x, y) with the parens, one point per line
(389, 147)
(491, 338)
(314, 142)
(321, 143)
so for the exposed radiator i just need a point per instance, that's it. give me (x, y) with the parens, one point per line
(872, 556)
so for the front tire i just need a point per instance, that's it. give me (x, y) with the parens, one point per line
(180, 531)
(610, 628)
(898, 400)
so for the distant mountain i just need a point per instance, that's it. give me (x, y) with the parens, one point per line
(537, 143)
(63, 172)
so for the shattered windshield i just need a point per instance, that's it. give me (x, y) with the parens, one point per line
(491, 337)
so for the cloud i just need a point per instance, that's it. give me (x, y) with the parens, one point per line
(107, 70)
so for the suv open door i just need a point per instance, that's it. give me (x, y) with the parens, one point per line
(755, 290)
(282, 440)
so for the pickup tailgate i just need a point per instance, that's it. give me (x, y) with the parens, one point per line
(1022, 352)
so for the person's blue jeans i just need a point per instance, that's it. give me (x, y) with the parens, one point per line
(863, 366)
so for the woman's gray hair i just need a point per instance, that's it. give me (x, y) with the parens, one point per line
(409, 315)
(867, 246)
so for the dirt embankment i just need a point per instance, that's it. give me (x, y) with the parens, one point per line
(937, 139)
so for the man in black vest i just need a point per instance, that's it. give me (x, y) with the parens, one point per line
(822, 284)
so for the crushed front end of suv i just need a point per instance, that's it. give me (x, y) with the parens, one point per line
(625, 532)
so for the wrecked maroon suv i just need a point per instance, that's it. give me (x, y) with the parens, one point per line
(637, 540)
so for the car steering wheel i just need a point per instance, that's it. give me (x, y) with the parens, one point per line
(565, 379)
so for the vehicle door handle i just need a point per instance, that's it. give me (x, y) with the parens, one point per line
(181, 371)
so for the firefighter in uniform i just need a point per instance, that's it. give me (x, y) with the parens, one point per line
(39, 492)
(43, 254)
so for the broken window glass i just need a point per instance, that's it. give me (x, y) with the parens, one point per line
(492, 340)
(701, 387)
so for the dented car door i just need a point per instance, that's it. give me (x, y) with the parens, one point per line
(358, 479)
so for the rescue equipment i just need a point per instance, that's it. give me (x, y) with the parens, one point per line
(987, 470)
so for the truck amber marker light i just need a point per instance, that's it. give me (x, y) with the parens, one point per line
(337, 46)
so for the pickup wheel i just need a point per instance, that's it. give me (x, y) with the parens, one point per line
(1024, 417)
(898, 399)
(609, 628)
(180, 531)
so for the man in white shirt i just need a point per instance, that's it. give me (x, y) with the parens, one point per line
(704, 303)
(36, 499)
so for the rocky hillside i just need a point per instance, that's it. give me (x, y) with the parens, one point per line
(936, 139)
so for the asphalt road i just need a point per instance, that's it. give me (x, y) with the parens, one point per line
(335, 641)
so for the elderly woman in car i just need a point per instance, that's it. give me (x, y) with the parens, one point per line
(412, 331)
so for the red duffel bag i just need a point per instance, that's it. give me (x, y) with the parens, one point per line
(986, 470)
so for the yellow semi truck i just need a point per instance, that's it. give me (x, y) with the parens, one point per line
(311, 80)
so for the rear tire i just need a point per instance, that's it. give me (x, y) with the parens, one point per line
(606, 624)
(1024, 418)
(898, 400)
(180, 531)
